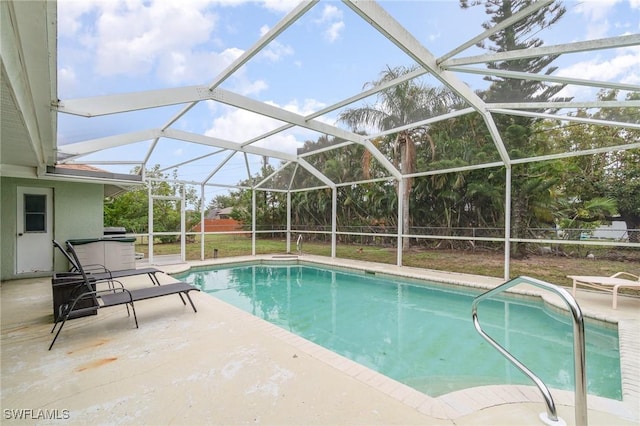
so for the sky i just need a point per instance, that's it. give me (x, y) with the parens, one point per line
(120, 46)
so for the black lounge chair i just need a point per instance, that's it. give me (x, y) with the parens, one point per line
(100, 272)
(115, 294)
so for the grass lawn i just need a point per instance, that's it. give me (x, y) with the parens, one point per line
(549, 267)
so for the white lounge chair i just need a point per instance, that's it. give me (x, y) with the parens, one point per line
(612, 283)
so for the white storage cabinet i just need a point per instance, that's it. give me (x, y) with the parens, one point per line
(114, 253)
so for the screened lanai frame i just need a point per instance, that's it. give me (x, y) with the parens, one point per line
(445, 69)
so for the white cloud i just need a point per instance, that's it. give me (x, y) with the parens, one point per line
(276, 51)
(67, 77)
(331, 19)
(280, 5)
(239, 126)
(309, 106)
(597, 13)
(596, 9)
(434, 36)
(159, 39)
(70, 12)
(623, 67)
(199, 67)
(330, 13)
(135, 40)
(333, 32)
(253, 88)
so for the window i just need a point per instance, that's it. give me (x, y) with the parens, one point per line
(35, 213)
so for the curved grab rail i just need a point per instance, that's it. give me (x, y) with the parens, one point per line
(299, 244)
(578, 346)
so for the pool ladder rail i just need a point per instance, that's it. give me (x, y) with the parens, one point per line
(299, 245)
(550, 417)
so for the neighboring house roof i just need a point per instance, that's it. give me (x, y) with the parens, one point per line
(114, 183)
(83, 167)
(217, 213)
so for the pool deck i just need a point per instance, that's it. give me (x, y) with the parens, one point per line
(224, 366)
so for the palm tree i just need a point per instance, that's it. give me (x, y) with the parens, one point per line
(397, 106)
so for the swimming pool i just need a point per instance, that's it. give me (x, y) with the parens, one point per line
(417, 332)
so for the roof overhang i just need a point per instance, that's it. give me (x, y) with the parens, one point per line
(29, 85)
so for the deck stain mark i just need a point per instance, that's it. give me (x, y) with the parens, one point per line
(94, 344)
(97, 363)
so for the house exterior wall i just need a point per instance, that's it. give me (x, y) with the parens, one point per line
(77, 213)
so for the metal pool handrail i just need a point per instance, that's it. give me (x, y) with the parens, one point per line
(578, 347)
(299, 244)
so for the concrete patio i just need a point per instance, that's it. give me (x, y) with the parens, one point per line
(223, 366)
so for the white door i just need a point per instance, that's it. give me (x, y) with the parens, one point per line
(34, 250)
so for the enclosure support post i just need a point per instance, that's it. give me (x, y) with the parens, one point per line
(183, 226)
(202, 204)
(334, 219)
(253, 221)
(150, 226)
(400, 215)
(507, 223)
(288, 221)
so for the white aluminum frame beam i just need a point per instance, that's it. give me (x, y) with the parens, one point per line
(221, 165)
(578, 153)
(570, 104)
(566, 118)
(559, 49)
(316, 173)
(202, 157)
(545, 77)
(93, 145)
(96, 106)
(426, 122)
(258, 107)
(221, 143)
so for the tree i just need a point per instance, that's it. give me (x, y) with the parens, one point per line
(612, 175)
(131, 209)
(399, 105)
(527, 179)
(270, 205)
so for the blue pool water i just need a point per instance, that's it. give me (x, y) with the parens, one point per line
(418, 333)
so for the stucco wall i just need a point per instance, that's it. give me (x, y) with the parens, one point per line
(77, 213)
